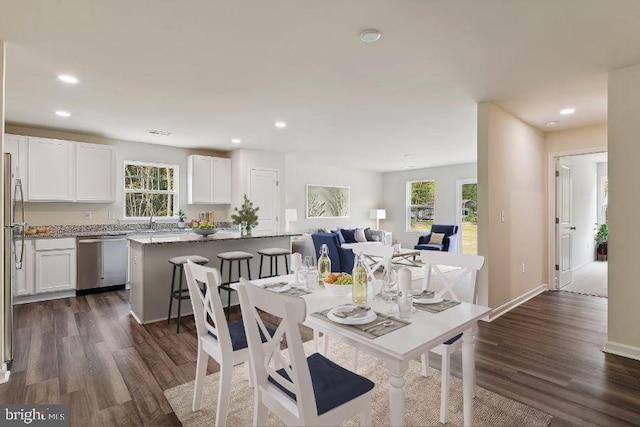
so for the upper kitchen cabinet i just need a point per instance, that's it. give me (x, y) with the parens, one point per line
(95, 173)
(16, 145)
(208, 180)
(50, 170)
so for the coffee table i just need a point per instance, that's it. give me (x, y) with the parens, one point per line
(406, 257)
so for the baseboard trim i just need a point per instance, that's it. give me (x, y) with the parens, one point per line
(622, 350)
(24, 299)
(505, 308)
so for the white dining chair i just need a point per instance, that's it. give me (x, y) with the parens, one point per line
(459, 285)
(225, 343)
(300, 390)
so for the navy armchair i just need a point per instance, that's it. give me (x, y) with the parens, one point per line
(342, 259)
(448, 243)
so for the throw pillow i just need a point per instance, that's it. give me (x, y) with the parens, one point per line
(368, 235)
(349, 235)
(339, 234)
(436, 238)
(360, 237)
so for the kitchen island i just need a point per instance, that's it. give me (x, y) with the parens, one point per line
(150, 270)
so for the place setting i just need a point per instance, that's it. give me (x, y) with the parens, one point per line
(429, 301)
(362, 319)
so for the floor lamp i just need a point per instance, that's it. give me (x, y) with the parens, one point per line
(378, 214)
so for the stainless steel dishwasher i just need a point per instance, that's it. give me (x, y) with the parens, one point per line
(102, 263)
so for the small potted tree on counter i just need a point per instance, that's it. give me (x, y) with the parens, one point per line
(181, 217)
(602, 236)
(246, 217)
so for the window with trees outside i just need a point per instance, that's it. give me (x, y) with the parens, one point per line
(150, 189)
(421, 202)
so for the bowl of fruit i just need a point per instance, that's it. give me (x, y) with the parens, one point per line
(339, 284)
(205, 229)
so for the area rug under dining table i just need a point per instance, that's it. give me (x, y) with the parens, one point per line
(422, 398)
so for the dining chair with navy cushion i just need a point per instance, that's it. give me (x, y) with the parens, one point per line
(299, 390)
(456, 285)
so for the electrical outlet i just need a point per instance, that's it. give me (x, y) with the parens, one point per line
(523, 269)
(87, 215)
(112, 215)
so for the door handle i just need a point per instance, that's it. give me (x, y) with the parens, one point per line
(572, 228)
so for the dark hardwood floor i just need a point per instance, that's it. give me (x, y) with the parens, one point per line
(89, 353)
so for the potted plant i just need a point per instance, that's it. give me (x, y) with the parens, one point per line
(181, 217)
(602, 236)
(246, 217)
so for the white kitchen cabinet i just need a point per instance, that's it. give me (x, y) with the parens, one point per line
(95, 173)
(16, 145)
(55, 265)
(23, 281)
(208, 180)
(221, 180)
(51, 170)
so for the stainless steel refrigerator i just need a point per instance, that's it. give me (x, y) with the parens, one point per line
(14, 227)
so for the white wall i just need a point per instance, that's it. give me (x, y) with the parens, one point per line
(584, 202)
(394, 197)
(624, 205)
(365, 192)
(44, 213)
(511, 206)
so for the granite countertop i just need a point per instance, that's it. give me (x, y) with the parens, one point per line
(190, 237)
(62, 231)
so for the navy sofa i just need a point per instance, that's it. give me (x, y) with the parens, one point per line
(342, 259)
(448, 243)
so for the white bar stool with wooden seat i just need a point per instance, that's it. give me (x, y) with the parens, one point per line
(232, 256)
(273, 254)
(178, 263)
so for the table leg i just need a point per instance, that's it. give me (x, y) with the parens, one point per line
(396, 394)
(468, 374)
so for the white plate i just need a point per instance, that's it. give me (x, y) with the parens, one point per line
(428, 300)
(279, 288)
(360, 320)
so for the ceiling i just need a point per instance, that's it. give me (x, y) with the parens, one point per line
(209, 71)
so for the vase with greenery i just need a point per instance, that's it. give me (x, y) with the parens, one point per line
(601, 237)
(246, 215)
(181, 217)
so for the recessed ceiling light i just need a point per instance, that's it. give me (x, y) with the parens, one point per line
(370, 36)
(62, 113)
(67, 78)
(236, 141)
(406, 156)
(551, 123)
(567, 111)
(159, 132)
(280, 125)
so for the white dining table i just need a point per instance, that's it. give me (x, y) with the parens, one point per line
(425, 331)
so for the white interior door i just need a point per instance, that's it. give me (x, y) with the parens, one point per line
(564, 226)
(265, 195)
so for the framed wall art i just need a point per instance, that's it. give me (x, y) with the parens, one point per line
(326, 201)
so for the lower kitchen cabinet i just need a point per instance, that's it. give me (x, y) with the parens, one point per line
(49, 266)
(55, 261)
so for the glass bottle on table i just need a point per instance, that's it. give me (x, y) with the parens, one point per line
(359, 275)
(324, 263)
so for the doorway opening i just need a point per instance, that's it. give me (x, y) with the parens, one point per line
(580, 224)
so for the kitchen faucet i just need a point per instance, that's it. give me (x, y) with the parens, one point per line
(151, 221)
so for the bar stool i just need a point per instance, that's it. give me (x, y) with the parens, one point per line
(178, 263)
(232, 256)
(273, 254)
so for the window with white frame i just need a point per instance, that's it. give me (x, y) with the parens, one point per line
(150, 189)
(421, 203)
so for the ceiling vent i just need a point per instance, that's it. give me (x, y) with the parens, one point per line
(159, 132)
